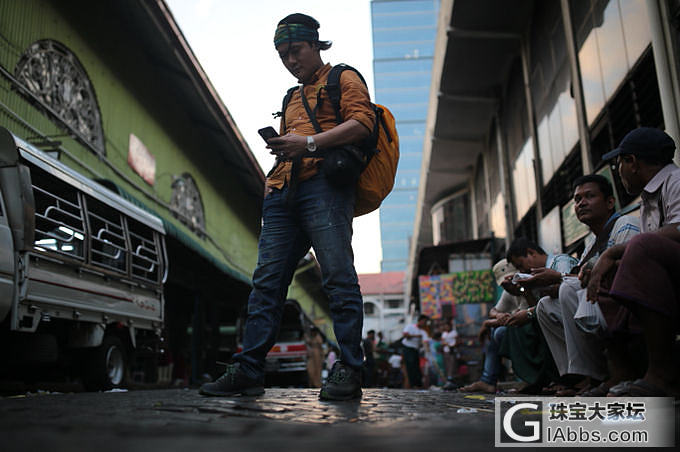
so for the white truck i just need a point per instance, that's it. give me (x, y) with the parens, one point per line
(81, 272)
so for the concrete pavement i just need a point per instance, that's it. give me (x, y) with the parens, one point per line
(281, 419)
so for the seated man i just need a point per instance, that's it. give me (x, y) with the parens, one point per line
(524, 343)
(578, 352)
(654, 297)
(495, 328)
(644, 161)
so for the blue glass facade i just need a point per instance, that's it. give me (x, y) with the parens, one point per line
(403, 45)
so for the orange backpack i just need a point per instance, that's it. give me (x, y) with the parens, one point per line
(382, 149)
(377, 179)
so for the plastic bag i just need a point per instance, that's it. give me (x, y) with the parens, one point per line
(588, 317)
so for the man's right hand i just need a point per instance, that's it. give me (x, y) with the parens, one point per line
(502, 318)
(606, 263)
(510, 287)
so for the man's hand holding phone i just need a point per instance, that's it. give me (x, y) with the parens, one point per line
(285, 147)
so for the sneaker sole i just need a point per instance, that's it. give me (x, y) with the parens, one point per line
(324, 395)
(255, 391)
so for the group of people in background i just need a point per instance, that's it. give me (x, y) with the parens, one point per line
(425, 356)
(604, 324)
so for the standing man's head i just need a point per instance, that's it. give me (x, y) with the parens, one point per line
(594, 201)
(297, 42)
(641, 154)
(371, 334)
(422, 321)
(524, 255)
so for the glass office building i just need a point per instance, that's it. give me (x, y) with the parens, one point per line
(403, 45)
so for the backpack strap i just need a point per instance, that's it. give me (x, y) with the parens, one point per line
(334, 94)
(286, 100)
(282, 114)
(333, 86)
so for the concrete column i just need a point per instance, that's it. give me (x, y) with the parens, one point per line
(577, 89)
(473, 205)
(487, 188)
(196, 339)
(506, 188)
(665, 62)
(531, 117)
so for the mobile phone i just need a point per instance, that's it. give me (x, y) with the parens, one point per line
(520, 277)
(268, 132)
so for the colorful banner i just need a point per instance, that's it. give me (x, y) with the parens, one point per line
(455, 288)
(429, 296)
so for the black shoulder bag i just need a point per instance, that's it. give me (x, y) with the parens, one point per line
(342, 165)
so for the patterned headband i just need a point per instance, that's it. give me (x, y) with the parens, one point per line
(294, 33)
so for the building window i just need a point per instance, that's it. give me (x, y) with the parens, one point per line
(451, 219)
(186, 202)
(369, 309)
(394, 303)
(613, 35)
(524, 181)
(53, 74)
(498, 225)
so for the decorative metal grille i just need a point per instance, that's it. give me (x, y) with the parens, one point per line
(186, 202)
(55, 76)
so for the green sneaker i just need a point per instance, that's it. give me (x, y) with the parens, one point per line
(343, 383)
(233, 382)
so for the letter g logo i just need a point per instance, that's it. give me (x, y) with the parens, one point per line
(535, 425)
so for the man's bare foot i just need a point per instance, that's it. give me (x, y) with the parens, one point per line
(479, 386)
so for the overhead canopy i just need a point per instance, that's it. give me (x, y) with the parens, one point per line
(477, 43)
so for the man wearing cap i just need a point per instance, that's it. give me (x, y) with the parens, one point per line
(644, 280)
(495, 327)
(316, 213)
(644, 160)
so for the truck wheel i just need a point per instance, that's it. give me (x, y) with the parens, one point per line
(107, 365)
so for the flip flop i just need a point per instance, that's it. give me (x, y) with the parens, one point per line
(567, 392)
(619, 389)
(600, 390)
(553, 388)
(643, 388)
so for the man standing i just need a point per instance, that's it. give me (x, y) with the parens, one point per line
(576, 351)
(316, 213)
(314, 356)
(450, 341)
(368, 344)
(414, 336)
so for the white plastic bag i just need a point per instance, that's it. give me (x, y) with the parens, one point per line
(588, 317)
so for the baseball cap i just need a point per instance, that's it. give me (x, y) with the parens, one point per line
(643, 142)
(501, 269)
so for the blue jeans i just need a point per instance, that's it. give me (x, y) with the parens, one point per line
(320, 216)
(492, 362)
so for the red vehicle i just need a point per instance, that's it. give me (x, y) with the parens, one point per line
(286, 362)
